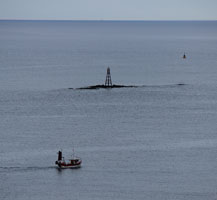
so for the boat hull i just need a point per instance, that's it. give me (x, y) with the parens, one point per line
(71, 165)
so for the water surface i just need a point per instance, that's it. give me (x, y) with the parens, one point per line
(157, 141)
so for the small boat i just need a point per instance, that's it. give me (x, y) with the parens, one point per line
(75, 162)
(184, 56)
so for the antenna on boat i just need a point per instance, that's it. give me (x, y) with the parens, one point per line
(73, 152)
(108, 80)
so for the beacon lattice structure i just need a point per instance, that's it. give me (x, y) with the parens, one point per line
(108, 80)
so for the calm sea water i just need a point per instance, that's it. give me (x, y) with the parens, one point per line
(154, 142)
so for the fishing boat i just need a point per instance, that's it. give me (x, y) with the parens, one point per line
(74, 162)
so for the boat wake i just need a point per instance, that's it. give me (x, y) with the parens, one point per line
(33, 168)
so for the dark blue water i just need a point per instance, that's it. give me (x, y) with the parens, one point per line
(157, 141)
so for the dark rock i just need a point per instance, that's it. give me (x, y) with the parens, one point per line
(95, 87)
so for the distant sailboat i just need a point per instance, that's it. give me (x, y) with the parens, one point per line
(184, 56)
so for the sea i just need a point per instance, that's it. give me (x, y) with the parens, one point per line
(156, 141)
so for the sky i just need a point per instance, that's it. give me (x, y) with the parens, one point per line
(109, 9)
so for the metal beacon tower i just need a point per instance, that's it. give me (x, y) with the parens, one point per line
(108, 80)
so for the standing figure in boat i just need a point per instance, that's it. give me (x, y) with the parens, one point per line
(184, 56)
(75, 162)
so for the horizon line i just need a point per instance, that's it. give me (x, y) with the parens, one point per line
(117, 20)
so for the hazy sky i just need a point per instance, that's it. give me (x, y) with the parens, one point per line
(109, 9)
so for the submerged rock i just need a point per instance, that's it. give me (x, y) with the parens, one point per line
(94, 87)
